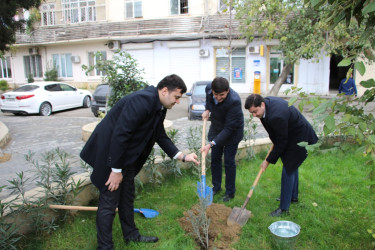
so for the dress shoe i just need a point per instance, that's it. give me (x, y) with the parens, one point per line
(228, 197)
(215, 192)
(279, 212)
(294, 200)
(145, 239)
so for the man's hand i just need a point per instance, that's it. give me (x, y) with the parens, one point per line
(205, 114)
(114, 181)
(264, 165)
(192, 158)
(205, 149)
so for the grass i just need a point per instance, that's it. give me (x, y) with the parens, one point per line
(335, 210)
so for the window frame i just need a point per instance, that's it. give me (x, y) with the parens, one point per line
(48, 14)
(274, 54)
(63, 64)
(176, 7)
(237, 52)
(92, 60)
(79, 11)
(33, 66)
(5, 68)
(136, 9)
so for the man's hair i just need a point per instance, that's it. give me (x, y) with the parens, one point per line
(253, 100)
(172, 82)
(220, 84)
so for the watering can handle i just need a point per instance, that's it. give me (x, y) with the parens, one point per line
(203, 161)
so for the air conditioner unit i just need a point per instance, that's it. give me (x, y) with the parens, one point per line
(114, 45)
(204, 53)
(75, 59)
(254, 49)
(34, 51)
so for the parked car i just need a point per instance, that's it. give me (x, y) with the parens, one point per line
(197, 100)
(44, 98)
(99, 99)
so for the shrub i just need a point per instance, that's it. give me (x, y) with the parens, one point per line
(4, 85)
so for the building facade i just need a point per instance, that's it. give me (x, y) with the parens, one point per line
(184, 37)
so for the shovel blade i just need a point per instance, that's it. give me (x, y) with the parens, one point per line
(148, 213)
(205, 193)
(238, 216)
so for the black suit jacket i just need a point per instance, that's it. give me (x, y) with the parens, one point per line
(127, 134)
(287, 127)
(227, 120)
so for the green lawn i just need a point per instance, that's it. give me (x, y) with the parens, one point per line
(335, 210)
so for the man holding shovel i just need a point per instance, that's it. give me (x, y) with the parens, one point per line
(286, 127)
(226, 132)
(118, 148)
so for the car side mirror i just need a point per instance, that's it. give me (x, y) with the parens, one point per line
(189, 93)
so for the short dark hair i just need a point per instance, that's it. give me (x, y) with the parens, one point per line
(220, 84)
(253, 100)
(172, 82)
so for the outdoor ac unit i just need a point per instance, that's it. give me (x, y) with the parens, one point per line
(75, 59)
(254, 49)
(204, 53)
(114, 45)
(34, 51)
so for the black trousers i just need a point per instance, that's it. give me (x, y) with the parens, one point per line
(123, 199)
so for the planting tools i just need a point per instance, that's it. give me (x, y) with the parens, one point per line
(204, 192)
(148, 213)
(241, 215)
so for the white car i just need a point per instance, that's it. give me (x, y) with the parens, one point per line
(44, 98)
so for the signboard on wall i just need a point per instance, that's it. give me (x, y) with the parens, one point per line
(237, 73)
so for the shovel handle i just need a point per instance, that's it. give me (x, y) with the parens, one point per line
(255, 182)
(68, 207)
(204, 144)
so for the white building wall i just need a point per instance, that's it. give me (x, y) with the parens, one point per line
(313, 77)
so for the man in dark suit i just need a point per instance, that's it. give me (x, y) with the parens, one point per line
(225, 133)
(118, 148)
(286, 127)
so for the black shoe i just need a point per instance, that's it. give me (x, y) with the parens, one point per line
(145, 239)
(228, 197)
(279, 212)
(214, 192)
(294, 200)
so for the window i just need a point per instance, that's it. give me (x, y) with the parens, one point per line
(276, 66)
(6, 71)
(179, 7)
(238, 71)
(93, 59)
(63, 64)
(33, 66)
(78, 11)
(48, 14)
(133, 8)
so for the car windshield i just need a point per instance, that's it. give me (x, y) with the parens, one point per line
(102, 90)
(26, 88)
(199, 90)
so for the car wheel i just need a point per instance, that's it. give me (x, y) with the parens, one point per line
(45, 109)
(87, 102)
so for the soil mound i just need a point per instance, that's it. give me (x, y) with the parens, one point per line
(220, 235)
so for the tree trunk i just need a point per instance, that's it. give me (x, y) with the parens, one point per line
(284, 73)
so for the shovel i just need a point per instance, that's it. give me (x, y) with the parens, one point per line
(204, 192)
(241, 215)
(148, 213)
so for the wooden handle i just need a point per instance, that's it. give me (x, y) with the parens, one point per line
(68, 207)
(204, 144)
(256, 180)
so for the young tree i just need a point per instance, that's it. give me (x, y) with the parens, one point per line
(8, 25)
(121, 73)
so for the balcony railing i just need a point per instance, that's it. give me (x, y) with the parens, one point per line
(215, 25)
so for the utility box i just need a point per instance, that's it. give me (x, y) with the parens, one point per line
(257, 82)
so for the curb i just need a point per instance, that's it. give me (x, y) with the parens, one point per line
(4, 135)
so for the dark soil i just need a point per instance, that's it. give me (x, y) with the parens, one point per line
(220, 235)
